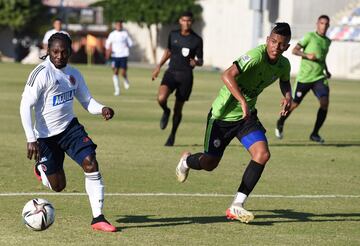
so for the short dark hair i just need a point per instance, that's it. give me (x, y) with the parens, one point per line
(187, 14)
(324, 17)
(57, 19)
(119, 20)
(282, 28)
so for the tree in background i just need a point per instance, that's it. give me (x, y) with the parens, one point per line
(148, 13)
(19, 15)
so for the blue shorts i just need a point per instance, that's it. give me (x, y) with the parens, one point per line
(119, 62)
(320, 89)
(220, 133)
(74, 141)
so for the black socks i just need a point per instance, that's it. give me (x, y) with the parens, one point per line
(251, 176)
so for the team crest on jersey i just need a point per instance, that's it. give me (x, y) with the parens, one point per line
(217, 143)
(185, 51)
(245, 58)
(72, 80)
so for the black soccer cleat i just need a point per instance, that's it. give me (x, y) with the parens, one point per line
(170, 141)
(317, 138)
(164, 119)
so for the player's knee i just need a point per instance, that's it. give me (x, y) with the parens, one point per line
(90, 164)
(262, 156)
(162, 99)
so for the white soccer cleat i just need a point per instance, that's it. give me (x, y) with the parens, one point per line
(126, 85)
(117, 93)
(238, 212)
(181, 170)
(278, 134)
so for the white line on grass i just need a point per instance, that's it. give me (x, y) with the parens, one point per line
(177, 194)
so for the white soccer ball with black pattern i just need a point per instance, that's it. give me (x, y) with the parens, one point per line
(38, 214)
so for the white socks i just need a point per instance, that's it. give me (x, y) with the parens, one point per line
(94, 187)
(126, 84)
(44, 178)
(116, 85)
(240, 198)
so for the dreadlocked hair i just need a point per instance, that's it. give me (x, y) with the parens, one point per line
(58, 36)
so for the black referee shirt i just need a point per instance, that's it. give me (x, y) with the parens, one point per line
(183, 48)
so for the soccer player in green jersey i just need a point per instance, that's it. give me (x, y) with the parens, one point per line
(233, 114)
(313, 49)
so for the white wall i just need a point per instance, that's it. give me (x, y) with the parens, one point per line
(227, 28)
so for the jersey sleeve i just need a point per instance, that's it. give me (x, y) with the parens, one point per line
(169, 41)
(84, 97)
(108, 41)
(33, 89)
(199, 50)
(248, 61)
(129, 41)
(305, 40)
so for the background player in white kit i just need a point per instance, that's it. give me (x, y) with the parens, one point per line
(57, 24)
(50, 90)
(117, 47)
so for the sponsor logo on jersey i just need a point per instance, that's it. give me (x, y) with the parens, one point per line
(63, 98)
(185, 51)
(245, 58)
(217, 143)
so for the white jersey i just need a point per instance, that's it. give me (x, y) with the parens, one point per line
(119, 42)
(49, 33)
(51, 91)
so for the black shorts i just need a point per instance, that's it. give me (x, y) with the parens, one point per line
(119, 62)
(182, 81)
(319, 87)
(220, 133)
(74, 141)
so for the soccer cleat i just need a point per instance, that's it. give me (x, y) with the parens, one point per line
(164, 119)
(36, 171)
(181, 171)
(237, 212)
(101, 224)
(117, 93)
(279, 130)
(170, 141)
(126, 85)
(317, 138)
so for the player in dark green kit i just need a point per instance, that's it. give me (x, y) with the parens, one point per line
(233, 114)
(313, 49)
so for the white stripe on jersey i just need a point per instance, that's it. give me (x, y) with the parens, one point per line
(51, 92)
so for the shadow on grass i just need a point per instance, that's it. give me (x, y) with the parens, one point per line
(261, 219)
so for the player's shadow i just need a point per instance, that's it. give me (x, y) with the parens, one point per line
(144, 221)
(290, 216)
(262, 218)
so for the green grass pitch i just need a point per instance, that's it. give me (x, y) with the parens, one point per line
(133, 161)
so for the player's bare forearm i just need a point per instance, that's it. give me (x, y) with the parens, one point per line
(164, 58)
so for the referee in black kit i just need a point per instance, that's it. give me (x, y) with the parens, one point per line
(183, 45)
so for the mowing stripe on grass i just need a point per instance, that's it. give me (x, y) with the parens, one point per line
(177, 194)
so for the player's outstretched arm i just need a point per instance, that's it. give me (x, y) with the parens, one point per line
(228, 77)
(163, 59)
(286, 101)
(297, 50)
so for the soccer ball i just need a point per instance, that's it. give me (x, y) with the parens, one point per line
(38, 214)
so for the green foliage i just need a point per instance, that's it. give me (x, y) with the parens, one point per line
(148, 12)
(19, 14)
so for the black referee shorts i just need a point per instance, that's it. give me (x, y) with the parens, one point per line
(181, 81)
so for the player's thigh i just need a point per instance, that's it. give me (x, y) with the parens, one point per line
(218, 135)
(76, 142)
(322, 91)
(184, 84)
(300, 91)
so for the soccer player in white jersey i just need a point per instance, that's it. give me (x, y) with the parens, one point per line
(117, 47)
(57, 24)
(50, 90)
